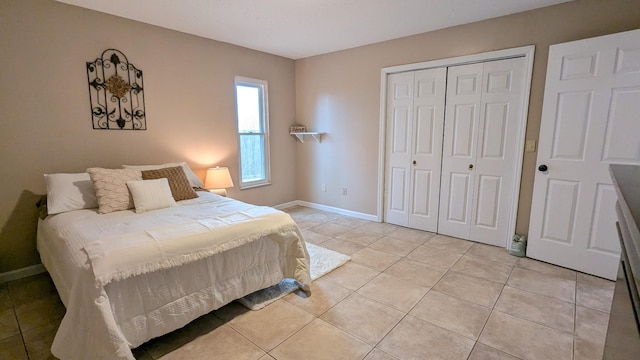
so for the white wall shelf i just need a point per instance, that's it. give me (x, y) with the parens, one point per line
(317, 136)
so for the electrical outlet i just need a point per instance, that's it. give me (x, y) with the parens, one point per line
(530, 146)
(344, 191)
(324, 188)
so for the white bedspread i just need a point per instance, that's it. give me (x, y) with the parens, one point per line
(99, 263)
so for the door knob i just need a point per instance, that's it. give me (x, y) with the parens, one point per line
(543, 168)
(414, 162)
(470, 166)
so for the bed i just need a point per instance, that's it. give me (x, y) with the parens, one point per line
(127, 276)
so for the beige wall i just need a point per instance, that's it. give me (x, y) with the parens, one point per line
(45, 123)
(339, 93)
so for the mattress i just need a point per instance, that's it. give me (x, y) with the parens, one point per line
(110, 311)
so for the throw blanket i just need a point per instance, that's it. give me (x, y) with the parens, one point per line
(163, 247)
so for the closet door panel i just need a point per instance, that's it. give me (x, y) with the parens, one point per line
(464, 118)
(482, 124)
(494, 131)
(495, 162)
(422, 177)
(459, 149)
(489, 189)
(400, 131)
(458, 199)
(399, 127)
(397, 189)
(422, 188)
(429, 101)
(425, 135)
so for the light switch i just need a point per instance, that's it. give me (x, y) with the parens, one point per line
(531, 146)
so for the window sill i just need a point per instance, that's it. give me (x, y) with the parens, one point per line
(252, 186)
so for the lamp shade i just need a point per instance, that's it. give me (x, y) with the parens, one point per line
(218, 178)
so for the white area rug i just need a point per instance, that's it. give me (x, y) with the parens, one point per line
(322, 261)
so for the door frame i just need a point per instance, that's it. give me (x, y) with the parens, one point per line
(525, 51)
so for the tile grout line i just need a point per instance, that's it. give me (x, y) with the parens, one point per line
(575, 318)
(493, 310)
(425, 243)
(15, 316)
(318, 317)
(374, 300)
(407, 313)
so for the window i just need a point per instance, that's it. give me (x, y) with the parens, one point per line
(252, 113)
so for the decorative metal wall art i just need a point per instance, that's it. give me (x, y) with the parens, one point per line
(116, 93)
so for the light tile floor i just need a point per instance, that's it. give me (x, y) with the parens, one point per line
(406, 294)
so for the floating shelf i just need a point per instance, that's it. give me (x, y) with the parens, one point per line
(317, 136)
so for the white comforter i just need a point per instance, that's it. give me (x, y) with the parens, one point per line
(126, 278)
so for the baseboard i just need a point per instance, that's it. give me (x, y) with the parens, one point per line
(21, 273)
(330, 209)
(287, 205)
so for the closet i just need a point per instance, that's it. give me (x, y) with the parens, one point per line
(415, 122)
(453, 149)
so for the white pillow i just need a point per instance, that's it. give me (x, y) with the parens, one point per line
(151, 194)
(68, 192)
(194, 180)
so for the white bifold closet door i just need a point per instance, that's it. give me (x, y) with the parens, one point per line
(415, 118)
(482, 122)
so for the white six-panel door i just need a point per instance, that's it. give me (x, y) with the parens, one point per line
(399, 114)
(483, 120)
(415, 114)
(464, 94)
(497, 150)
(590, 118)
(429, 101)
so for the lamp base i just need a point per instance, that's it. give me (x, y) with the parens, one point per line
(221, 192)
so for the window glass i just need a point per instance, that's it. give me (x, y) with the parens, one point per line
(248, 105)
(253, 138)
(253, 161)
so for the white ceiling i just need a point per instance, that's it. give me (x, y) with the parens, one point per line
(301, 28)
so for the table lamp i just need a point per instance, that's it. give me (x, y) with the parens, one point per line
(218, 180)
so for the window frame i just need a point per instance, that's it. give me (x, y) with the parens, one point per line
(262, 85)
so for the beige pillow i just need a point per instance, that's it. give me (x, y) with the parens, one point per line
(111, 188)
(180, 187)
(150, 194)
(194, 180)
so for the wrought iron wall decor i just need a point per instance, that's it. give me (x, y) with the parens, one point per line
(116, 93)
